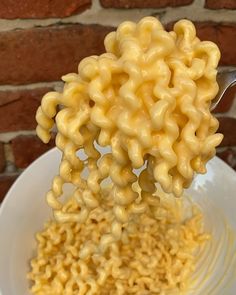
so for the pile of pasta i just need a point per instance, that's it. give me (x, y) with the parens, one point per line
(148, 99)
(157, 257)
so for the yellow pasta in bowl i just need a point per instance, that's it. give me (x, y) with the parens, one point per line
(148, 99)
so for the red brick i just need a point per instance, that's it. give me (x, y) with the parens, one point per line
(45, 54)
(143, 4)
(222, 34)
(18, 108)
(11, 9)
(227, 101)
(5, 183)
(229, 156)
(2, 158)
(28, 148)
(228, 128)
(219, 4)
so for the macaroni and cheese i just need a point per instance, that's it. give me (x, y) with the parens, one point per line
(147, 98)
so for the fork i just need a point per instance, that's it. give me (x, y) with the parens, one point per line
(225, 80)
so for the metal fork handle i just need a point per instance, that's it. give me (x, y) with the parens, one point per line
(228, 78)
(225, 80)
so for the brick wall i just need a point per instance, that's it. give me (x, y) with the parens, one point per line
(41, 40)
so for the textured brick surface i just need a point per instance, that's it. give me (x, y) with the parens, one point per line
(5, 184)
(222, 34)
(227, 101)
(45, 54)
(143, 4)
(11, 9)
(2, 158)
(229, 156)
(218, 4)
(28, 148)
(228, 128)
(18, 108)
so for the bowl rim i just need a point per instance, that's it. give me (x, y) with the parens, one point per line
(53, 150)
(54, 156)
(15, 183)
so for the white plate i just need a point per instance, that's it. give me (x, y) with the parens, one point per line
(24, 212)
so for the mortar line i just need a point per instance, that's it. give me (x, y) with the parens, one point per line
(16, 173)
(225, 148)
(112, 16)
(6, 137)
(59, 84)
(36, 85)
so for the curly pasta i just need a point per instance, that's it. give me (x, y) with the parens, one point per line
(148, 98)
(157, 258)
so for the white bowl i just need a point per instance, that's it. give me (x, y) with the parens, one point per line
(24, 212)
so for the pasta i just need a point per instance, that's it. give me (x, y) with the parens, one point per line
(147, 98)
(163, 257)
